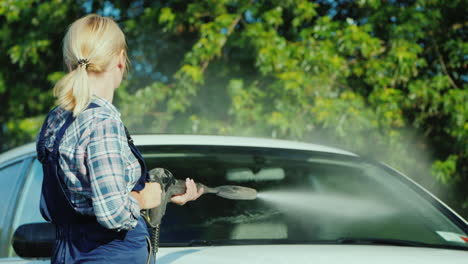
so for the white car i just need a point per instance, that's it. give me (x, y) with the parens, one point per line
(315, 204)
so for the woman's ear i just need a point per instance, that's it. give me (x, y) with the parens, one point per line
(122, 59)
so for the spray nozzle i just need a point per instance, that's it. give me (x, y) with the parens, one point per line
(236, 192)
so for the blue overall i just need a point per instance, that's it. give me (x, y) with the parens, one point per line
(80, 238)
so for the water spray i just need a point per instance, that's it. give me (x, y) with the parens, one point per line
(171, 186)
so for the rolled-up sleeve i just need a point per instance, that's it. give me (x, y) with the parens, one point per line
(113, 205)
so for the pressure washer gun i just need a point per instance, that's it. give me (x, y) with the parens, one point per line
(171, 186)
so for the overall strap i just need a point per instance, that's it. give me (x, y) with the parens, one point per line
(144, 171)
(40, 146)
(60, 134)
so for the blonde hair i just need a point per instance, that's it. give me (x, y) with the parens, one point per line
(89, 45)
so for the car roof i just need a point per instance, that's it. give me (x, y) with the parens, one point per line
(205, 140)
(200, 140)
(24, 150)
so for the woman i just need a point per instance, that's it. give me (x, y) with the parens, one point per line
(94, 178)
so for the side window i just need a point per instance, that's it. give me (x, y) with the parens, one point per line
(28, 206)
(10, 182)
(9, 176)
(27, 209)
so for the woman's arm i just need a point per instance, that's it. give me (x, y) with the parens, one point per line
(191, 194)
(149, 197)
(113, 204)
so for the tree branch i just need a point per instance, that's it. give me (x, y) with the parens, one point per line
(442, 63)
(228, 33)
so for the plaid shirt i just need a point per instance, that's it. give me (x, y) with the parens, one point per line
(99, 168)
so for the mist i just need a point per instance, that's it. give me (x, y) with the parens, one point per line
(326, 204)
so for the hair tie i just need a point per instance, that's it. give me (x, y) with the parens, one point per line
(84, 62)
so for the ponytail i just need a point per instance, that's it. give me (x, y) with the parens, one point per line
(81, 90)
(73, 91)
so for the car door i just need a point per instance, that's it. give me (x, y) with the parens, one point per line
(20, 182)
(11, 181)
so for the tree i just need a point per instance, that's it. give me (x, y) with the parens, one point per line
(382, 78)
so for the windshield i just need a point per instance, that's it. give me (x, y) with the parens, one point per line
(303, 197)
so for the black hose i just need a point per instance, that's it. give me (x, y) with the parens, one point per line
(155, 241)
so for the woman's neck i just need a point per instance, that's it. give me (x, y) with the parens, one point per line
(102, 85)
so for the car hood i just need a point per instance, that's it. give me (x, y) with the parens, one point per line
(329, 254)
(286, 254)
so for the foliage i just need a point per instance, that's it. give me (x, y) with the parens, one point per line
(383, 78)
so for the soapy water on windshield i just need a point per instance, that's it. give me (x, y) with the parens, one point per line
(331, 204)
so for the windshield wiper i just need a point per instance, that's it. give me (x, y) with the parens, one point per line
(393, 242)
(379, 241)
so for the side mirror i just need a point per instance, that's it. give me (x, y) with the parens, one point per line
(34, 240)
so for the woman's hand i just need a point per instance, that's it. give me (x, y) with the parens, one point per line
(191, 194)
(149, 197)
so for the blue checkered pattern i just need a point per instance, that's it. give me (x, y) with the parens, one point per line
(98, 166)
